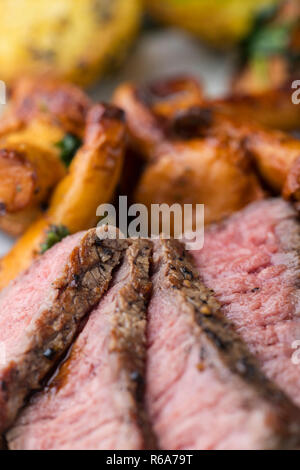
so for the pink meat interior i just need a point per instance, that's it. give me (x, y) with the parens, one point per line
(31, 294)
(87, 407)
(252, 263)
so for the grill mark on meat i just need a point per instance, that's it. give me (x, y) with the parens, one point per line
(221, 355)
(54, 326)
(129, 331)
(112, 344)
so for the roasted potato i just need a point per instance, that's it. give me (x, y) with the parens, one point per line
(45, 99)
(39, 133)
(221, 22)
(26, 182)
(157, 101)
(201, 171)
(160, 100)
(277, 158)
(275, 154)
(273, 108)
(211, 153)
(91, 181)
(76, 40)
(94, 172)
(270, 54)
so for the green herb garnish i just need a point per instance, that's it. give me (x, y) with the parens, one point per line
(54, 235)
(68, 147)
(271, 40)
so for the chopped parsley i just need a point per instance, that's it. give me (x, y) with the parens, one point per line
(68, 147)
(54, 235)
(269, 36)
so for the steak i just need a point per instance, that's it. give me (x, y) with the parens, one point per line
(252, 263)
(41, 311)
(204, 389)
(96, 400)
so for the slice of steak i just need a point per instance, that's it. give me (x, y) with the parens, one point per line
(41, 310)
(252, 261)
(95, 401)
(204, 389)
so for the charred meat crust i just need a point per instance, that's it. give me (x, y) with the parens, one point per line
(221, 347)
(78, 290)
(129, 332)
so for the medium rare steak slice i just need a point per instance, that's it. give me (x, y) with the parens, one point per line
(204, 389)
(95, 401)
(252, 261)
(40, 312)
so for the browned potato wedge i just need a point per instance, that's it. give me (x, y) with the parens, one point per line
(277, 155)
(186, 164)
(28, 175)
(92, 179)
(94, 173)
(56, 102)
(78, 40)
(214, 153)
(213, 172)
(273, 109)
(16, 224)
(274, 153)
(27, 182)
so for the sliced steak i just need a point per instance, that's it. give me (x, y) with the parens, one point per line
(95, 402)
(252, 261)
(204, 389)
(41, 310)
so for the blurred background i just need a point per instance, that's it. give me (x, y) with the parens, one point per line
(232, 46)
(247, 45)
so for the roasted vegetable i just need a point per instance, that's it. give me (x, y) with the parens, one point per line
(221, 22)
(91, 181)
(209, 171)
(212, 154)
(68, 146)
(277, 157)
(273, 108)
(75, 39)
(94, 172)
(39, 134)
(270, 54)
(47, 100)
(158, 101)
(275, 154)
(26, 181)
